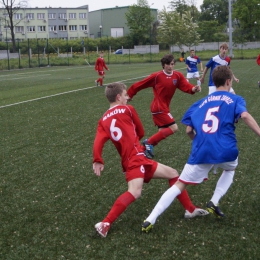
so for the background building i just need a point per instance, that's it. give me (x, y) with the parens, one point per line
(111, 22)
(42, 23)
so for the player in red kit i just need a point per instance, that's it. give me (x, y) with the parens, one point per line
(99, 67)
(164, 84)
(121, 124)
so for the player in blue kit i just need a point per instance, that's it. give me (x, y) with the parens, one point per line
(210, 124)
(220, 59)
(192, 70)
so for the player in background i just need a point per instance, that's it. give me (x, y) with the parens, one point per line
(220, 59)
(192, 70)
(99, 67)
(258, 62)
(121, 124)
(164, 84)
(182, 58)
(211, 125)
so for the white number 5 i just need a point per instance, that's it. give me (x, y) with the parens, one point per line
(116, 132)
(214, 121)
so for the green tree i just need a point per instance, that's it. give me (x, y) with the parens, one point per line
(210, 31)
(216, 10)
(247, 15)
(139, 20)
(11, 8)
(177, 29)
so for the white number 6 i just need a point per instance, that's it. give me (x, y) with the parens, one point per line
(116, 132)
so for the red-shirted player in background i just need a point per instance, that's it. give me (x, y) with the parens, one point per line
(164, 84)
(258, 62)
(121, 124)
(99, 67)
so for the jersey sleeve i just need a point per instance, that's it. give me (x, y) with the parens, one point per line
(186, 119)
(105, 66)
(240, 108)
(99, 142)
(96, 64)
(209, 63)
(145, 83)
(258, 60)
(138, 124)
(184, 85)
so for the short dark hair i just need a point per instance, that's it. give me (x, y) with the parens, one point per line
(220, 75)
(167, 59)
(113, 89)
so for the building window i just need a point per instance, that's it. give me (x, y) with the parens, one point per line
(72, 16)
(40, 16)
(18, 29)
(83, 27)
(52, 16)
(30, 28)
(18, 16)
(41, 28)
(62, 27)
(73, 38)
(62, 16)
(30, 16)
(52, 28)
(73, 27)
(82, 15)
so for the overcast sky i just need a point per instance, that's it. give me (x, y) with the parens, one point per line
(99, 4)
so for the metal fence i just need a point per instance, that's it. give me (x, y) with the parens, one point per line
(42, 53)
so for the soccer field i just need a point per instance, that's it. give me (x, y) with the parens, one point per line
(50, 198)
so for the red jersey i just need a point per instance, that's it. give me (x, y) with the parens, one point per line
(122, 125)
(100, 64)
(164, 87)
(258, 60)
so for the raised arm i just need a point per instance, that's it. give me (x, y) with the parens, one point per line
(250, 121)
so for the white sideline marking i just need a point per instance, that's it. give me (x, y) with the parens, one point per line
(25, 77)
(67, 92)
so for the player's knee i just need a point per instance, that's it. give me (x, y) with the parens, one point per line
(174, 128)
(136, 192)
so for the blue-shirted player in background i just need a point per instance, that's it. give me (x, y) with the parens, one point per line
(220, 59)
(211, 125)
(192, 70)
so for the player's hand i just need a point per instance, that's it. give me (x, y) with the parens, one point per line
(98, 168)
(202, 79)
(196, 89)
(236, 80)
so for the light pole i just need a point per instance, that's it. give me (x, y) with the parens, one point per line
(100, 28)
(230, 28)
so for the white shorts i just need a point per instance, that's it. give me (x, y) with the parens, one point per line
(213, 89)
(193, 75)
(195, 174)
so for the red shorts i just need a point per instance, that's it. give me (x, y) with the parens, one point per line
(101, 73)
(163, 119)
(140, 166)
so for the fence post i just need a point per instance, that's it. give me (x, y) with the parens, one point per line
(19, 54)
(48, 52)
(38, 52)
(29, 56)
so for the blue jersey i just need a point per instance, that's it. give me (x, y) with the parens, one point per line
(213, 119)
(213, 63)
(192, 63)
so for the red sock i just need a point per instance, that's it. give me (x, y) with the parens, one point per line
(159, 136)
(183, 197)
(120, 205)
(98, 80)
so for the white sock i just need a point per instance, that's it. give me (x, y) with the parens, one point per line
(164, 202)
(223, 185)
